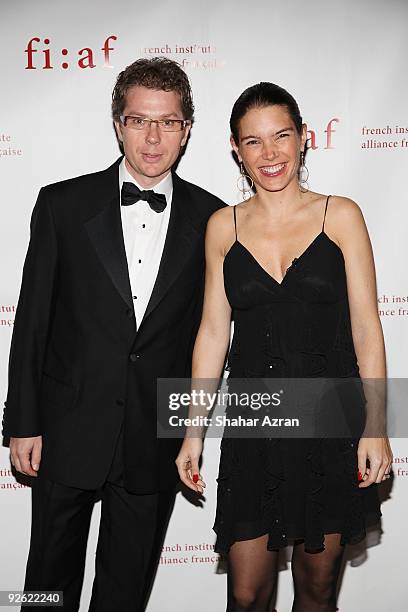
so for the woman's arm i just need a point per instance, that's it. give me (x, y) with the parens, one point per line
(345, 223)
(212, 340)
(213, 335)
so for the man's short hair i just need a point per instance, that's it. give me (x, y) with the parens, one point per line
(154, 73)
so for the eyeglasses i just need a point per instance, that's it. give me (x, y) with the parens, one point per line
(164, 125)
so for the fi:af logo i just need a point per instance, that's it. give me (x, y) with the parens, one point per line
(43, 55)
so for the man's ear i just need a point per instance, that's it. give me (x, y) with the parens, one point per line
(118, 130)
(186, 133)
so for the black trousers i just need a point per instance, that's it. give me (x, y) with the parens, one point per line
(131, 533)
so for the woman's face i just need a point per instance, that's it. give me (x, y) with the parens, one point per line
(269, 147)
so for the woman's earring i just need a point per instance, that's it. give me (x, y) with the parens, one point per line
(303, 174)
(243, 181)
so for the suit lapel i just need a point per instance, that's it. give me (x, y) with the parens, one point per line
(180, 242)
(105, 232)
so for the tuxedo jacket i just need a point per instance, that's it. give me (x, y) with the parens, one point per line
(78, 368)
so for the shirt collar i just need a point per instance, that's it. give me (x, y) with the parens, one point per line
(165, 186)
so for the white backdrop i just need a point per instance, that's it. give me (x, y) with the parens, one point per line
(345, 63)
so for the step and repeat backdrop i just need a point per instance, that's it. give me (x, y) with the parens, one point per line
(345, 63)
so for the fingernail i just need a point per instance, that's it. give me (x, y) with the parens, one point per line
(195, 478)
(35, 466)
(359, 476)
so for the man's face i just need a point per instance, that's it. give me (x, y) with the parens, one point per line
(150, 153)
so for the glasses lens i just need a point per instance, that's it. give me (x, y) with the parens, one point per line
(165, 125)
(171, 125)
(135, 123)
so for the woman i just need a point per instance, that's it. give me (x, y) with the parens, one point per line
(296, 270)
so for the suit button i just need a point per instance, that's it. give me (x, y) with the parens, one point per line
(133, 357)
(120, 402)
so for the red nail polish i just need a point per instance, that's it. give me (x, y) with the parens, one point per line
(359, 476)
(195, 477)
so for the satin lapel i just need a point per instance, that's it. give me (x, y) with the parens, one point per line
(106, 235)
(180, 242)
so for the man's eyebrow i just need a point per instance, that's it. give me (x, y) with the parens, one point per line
(164, 116)
(175, 115)
(288, 129)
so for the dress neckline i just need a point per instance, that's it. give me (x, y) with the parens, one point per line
(296, 260)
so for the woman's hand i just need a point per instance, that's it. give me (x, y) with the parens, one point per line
(187, 464)
(379, 454)
(212, 341)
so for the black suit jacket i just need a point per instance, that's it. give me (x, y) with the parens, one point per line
(78, 369)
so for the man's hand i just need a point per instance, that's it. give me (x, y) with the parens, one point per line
(25, 454)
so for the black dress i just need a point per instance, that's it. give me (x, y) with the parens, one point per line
(298, 488)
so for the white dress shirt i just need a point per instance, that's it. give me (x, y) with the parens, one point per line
(144, 233)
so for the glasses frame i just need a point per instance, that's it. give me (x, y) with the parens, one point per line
(183, 123)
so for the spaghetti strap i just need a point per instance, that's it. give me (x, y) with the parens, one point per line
(325, 211)
(235, 223)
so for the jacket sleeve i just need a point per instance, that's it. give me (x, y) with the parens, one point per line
(21, 417)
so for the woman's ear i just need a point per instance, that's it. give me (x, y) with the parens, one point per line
(235, 147)
(303, 137)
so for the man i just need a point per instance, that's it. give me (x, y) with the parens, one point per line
(110, 301)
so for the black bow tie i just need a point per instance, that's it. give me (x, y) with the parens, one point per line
(131, 194)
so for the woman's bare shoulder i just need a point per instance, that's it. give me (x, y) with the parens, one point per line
(345, 222)
(344, 210)
(221, 221)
